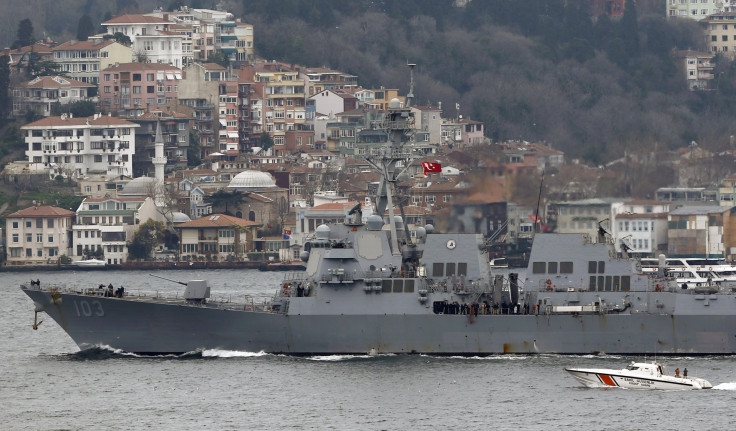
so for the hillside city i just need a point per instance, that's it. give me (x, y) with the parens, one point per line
(178, 143)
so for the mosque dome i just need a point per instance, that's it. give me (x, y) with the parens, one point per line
(179, 217)
(141, 186)
(252, 180)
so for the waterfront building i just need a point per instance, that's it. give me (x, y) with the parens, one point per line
(38, 235)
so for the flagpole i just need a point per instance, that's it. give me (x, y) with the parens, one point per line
(537, 221)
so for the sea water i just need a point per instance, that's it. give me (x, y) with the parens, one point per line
(46, 383)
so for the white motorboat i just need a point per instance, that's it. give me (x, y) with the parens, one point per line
(90, 263)
(638, 375)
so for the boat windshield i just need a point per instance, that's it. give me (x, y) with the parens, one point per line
(632, 368)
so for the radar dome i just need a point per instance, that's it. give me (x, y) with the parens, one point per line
(429, 228)
(374, 222)
(323, 232)
(394, 103)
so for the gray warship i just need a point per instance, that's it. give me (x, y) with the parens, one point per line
(369, 287)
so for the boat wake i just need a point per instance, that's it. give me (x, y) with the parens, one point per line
(216, 353)
(729, 386)
(98, 353)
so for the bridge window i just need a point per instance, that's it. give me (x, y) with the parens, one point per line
(462, 268)
(438, 269)
(539, 267)
(398, 286)
(450, 269)
(386, 286)
(552, 268)
(565, 267)
(592, 286)
(409, 286)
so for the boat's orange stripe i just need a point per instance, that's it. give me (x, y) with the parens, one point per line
(606, 379)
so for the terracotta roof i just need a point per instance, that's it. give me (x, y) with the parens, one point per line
(482, 198)
(84, 45)
(212, 66)
(80, 121)
(124, 67)
(646, 202)
(641, 216)
(50, 82)
(114, 199)
(217, 220)
(37, 47)
(135, 19)
(334, 206)
(42, 211)
(199, 172)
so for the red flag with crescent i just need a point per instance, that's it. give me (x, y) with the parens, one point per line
(431, 167)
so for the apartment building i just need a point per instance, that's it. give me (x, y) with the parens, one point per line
(38, 235)
(693, 9)
(152, 39)
(83, 61)
(43, 92)
(72, 147)
(130, 89)
(218, 237)
(720, 33)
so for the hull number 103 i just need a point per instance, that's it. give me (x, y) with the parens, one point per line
(88, 308)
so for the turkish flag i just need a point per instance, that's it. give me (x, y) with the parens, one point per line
(431, 167)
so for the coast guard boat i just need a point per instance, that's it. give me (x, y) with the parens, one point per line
(638, 375)
(370, 287)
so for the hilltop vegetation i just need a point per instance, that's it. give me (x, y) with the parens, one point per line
(534, 69)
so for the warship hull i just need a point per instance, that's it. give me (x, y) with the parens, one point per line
(151, 327)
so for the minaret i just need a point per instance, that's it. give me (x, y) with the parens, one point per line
(159, 160)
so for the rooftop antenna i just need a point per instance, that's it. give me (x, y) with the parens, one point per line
(410, 95)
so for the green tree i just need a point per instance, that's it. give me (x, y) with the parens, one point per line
(118, 37)
(220, 58)
(147, 237)
(266, 141)
(222, 198)
(630, 28)
(85, 28)
(83, 108)
(39, 67)
(24, 35)
(4, 87)
(194, 151)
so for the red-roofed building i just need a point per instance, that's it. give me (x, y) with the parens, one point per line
(130, 89)
(72, 147)
(217, 236)
(83, 61)
(38, 235)
(41, 93)
(152, 41)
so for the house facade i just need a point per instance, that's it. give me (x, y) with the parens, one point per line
(42, 93)
(38, 235)
(216, 236)
(73, 147)
(83, 61)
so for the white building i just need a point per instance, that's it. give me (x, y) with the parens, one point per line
(641, 225)
(694, 9)
(37, 235)
(152, 40)
(108, 224)
(83, 61)
(73, 147)
(42, 92)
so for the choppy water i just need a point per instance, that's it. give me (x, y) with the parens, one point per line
(46, 383)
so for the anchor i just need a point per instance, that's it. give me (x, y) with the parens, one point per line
(35, 321)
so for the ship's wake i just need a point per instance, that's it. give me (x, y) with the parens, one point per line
(217, 353)
(729, 386)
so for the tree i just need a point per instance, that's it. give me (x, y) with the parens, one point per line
(630, 28)
(4, 84)
(222, 198)
(220, 58)
(85, 28)
(118, 37)
(194, 149)
(147, 237)
(24, 35)
(266, 141)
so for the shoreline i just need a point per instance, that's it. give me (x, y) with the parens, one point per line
(137, 266)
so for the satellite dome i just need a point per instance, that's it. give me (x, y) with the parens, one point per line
(394, 103)
(252, 180)
(323, 231)
(374, 222)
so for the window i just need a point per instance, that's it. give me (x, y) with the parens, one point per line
(450, 269)
(29, 237)
(136, 77)
(15, 225)
(438, 270)
(16, 237)
(566, 268)
(386, 286)
(539, 267)
(39, 237)
(552, 268)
